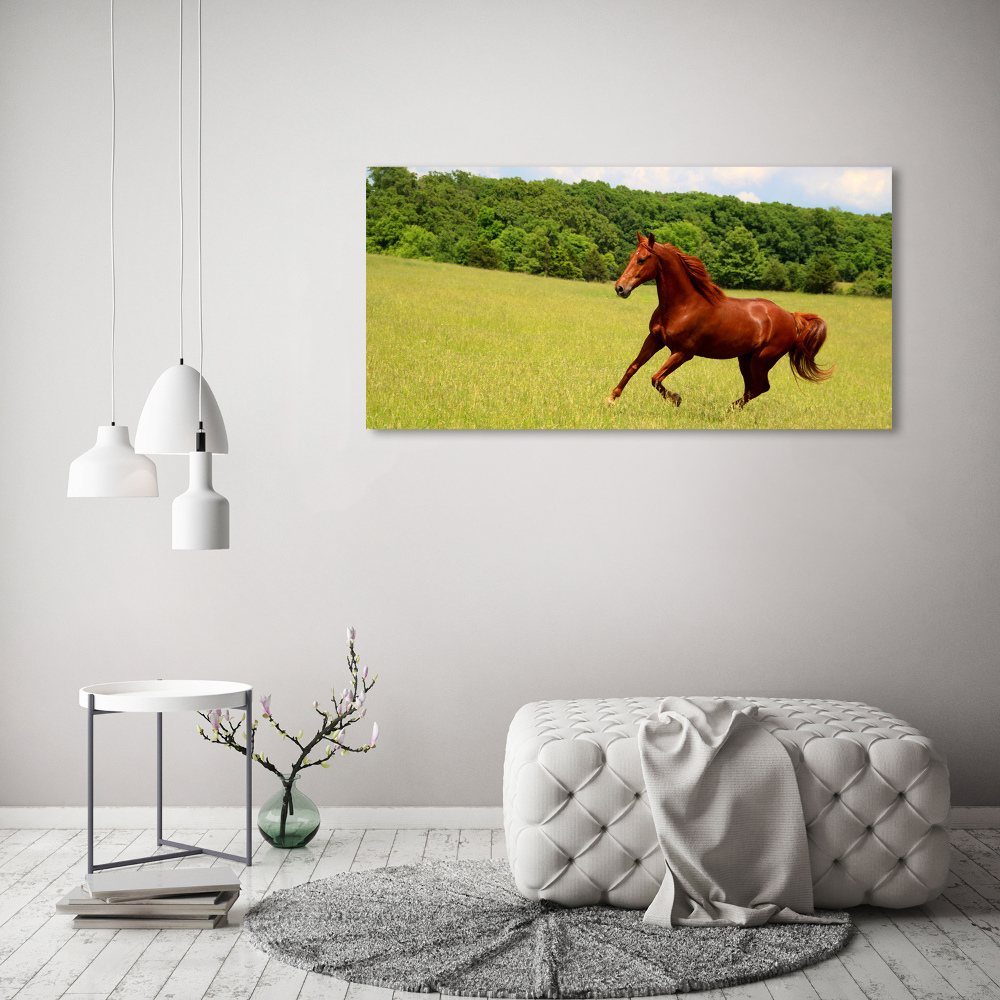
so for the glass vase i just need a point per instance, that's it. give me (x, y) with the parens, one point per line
(289, 818)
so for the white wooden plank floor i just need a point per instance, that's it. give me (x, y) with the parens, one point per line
(949, 948)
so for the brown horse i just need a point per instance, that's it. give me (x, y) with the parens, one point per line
(696, 318)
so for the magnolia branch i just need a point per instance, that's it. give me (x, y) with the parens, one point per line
(349, 709)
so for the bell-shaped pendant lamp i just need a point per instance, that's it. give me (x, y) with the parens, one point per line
(169, 421)
(200, 515)
(111, 468)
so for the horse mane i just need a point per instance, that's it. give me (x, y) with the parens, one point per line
(703, 284)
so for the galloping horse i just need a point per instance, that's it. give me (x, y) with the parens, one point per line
(696, 318)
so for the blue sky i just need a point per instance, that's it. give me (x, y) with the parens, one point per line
(855, 189)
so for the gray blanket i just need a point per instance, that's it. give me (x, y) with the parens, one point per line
(728, 817)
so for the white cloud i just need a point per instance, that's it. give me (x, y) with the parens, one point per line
(734, 177)
(660, 178)
(865, 188)
(573, 174)
(748, 196)
(866, 185)
(637, 178)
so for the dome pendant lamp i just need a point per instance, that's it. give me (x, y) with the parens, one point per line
(111, 468)
(169, 420)
(181, 415)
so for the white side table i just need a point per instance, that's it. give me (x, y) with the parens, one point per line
(161, 696)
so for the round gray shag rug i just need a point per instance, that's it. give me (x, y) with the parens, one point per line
(461, 927)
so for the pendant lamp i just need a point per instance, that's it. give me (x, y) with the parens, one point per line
(169, 421)
(111, 468)
(181, 415)
(200, 515)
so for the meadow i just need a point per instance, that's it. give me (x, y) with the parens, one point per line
(459, 347)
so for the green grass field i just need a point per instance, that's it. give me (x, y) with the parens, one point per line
(459, 347)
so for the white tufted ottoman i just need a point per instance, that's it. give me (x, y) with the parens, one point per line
(875, 796)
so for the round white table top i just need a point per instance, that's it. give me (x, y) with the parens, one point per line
(165, 695)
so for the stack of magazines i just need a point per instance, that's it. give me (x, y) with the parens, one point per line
(175, 897)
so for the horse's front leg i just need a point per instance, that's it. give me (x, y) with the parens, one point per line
(650, 346)
(673, 363)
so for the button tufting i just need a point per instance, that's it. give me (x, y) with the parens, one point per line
(824, 739)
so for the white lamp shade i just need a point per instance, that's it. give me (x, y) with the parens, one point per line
(111, 468)
(169, 420)
(200, 515)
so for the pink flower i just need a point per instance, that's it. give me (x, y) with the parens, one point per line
(265, 701)
(350, 635)
(214, 717)
(374, 734)
(364, 674)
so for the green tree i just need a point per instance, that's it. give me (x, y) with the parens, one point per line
(796, 276)
(482, 253)
(883, 287)
(685, 236)
(707, 254)
(593, 266)
(564, 264)
(863, 259)
(739, 262)
(882, 248)
(821, 276)
(538, 251)
(612, 265)
(385, 232)
(460, 249)
(417, 243)
(775, 276)
(488, 223)
(864, 283)
(397, 179)
(511, 245)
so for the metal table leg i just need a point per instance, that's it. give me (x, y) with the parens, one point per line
(248, 730)
(159, 778)
(185, 850)
(90, 784)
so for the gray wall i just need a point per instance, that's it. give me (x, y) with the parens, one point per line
(482, 570)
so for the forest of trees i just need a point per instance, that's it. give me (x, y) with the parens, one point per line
(586, 231)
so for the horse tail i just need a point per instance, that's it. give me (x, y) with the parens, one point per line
(810, 334)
